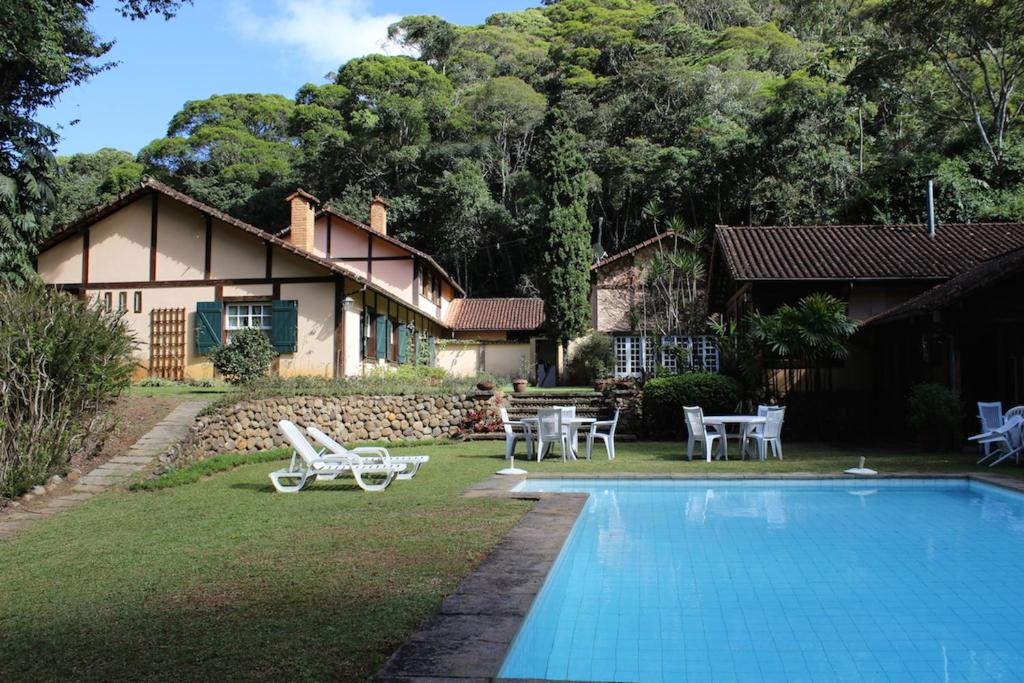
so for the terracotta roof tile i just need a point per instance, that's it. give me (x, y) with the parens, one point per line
(863, 252)
(496, 314)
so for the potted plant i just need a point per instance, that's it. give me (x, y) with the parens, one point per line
(519, 385)
(485, 385)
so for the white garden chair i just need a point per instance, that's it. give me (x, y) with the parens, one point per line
(550, 430)
(991, 417)
(608, 437)
(511, 435)
(367, 454)
(571, 429)
(700, 432)
(1005, 441)
(770, 434)
(307, 466)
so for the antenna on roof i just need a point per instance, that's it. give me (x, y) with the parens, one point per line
(930, 201)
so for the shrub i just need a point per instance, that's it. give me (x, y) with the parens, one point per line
(934, 413)
(664, 398)
(246, 357)
(401, 381)
(61, 364)
(592, 359)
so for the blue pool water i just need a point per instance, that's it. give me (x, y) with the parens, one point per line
(892, 580)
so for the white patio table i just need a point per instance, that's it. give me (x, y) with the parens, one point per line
(745, 423)
(573, 422)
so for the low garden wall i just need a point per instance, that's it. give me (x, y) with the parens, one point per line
(250, 426)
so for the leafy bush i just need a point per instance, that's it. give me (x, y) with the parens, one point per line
(664, 398)
(155, 382)
(592, 359)
(247, 357)
(61, 364)
(404, 380)
(934, 413)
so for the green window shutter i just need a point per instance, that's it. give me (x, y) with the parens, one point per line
(433, 352)
(208, 317)
(416, 348)
(391, 332)
(382, 336)
(284, 333)
(403, 342)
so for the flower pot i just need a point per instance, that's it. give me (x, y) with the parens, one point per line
(485, 386)
(519, 385)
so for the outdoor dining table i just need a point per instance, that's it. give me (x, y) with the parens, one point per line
(745, 422)
(574, 422)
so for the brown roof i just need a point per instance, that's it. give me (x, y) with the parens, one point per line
(149, 185)
(388, 238)
(496, 314)
(863, 252)
(631, 250)
(985, 274)
(299, 192)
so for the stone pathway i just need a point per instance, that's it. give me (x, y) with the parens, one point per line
(115, 472)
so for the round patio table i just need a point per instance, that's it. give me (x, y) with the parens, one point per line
(574, 422)
(745, 423)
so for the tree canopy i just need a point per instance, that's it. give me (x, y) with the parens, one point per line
(720, 111)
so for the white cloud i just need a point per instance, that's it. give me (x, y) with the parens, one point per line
(328, 32)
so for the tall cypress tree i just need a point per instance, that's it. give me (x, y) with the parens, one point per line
(567, 257)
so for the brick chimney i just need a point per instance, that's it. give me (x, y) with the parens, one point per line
(303, 218)
(379, 214)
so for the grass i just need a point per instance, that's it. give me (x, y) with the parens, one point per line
(222, 578)
(507, 388)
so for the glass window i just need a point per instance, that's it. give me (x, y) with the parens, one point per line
(138, 302)
(244, 316)
(122, 301)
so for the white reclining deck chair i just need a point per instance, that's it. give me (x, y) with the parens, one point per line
(1006, 439)
(307, 466)
(367, 454)
(991, 417)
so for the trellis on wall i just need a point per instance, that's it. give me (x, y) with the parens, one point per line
(167, 335)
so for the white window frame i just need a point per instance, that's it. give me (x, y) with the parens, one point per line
(244, 315)
(634, 353)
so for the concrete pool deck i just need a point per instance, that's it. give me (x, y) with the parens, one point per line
(469, 636)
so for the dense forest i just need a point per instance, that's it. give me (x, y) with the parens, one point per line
(688, 112)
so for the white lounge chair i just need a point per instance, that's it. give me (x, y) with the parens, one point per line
(511, 435)
(550, 430)
(608, 437)
(991, 417)
(1006, 441)
(700, 432)
(307, 466)
(770, 434)
(368, 454)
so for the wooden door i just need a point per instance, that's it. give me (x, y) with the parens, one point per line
(167, 343)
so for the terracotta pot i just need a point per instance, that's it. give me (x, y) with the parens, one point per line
(519, 385)
(485, 386)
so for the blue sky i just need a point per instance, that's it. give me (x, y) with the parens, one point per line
(227, 46)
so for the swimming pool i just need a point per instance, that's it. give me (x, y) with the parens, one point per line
(781, 580)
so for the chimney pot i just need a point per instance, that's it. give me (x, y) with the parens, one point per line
(379, 215)
(303, 219)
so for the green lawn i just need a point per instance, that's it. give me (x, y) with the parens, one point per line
(224, 579)
(507, 388)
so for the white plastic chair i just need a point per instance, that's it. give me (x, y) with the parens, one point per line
(991, 417)
(550, 430)
(699, 432)
(367, 454)
(308, 466)
(1006, 441)
(608, 437)
(771, 434)
(511, 435)
(571, 428)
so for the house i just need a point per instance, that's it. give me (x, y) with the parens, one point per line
(618, 296)
(335, 296)
(938, 305)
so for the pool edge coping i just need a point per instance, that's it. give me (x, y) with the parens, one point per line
(468, 637)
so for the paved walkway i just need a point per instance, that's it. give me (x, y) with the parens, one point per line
(116, 471)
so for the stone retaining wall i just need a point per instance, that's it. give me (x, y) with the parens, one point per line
(249, 426)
